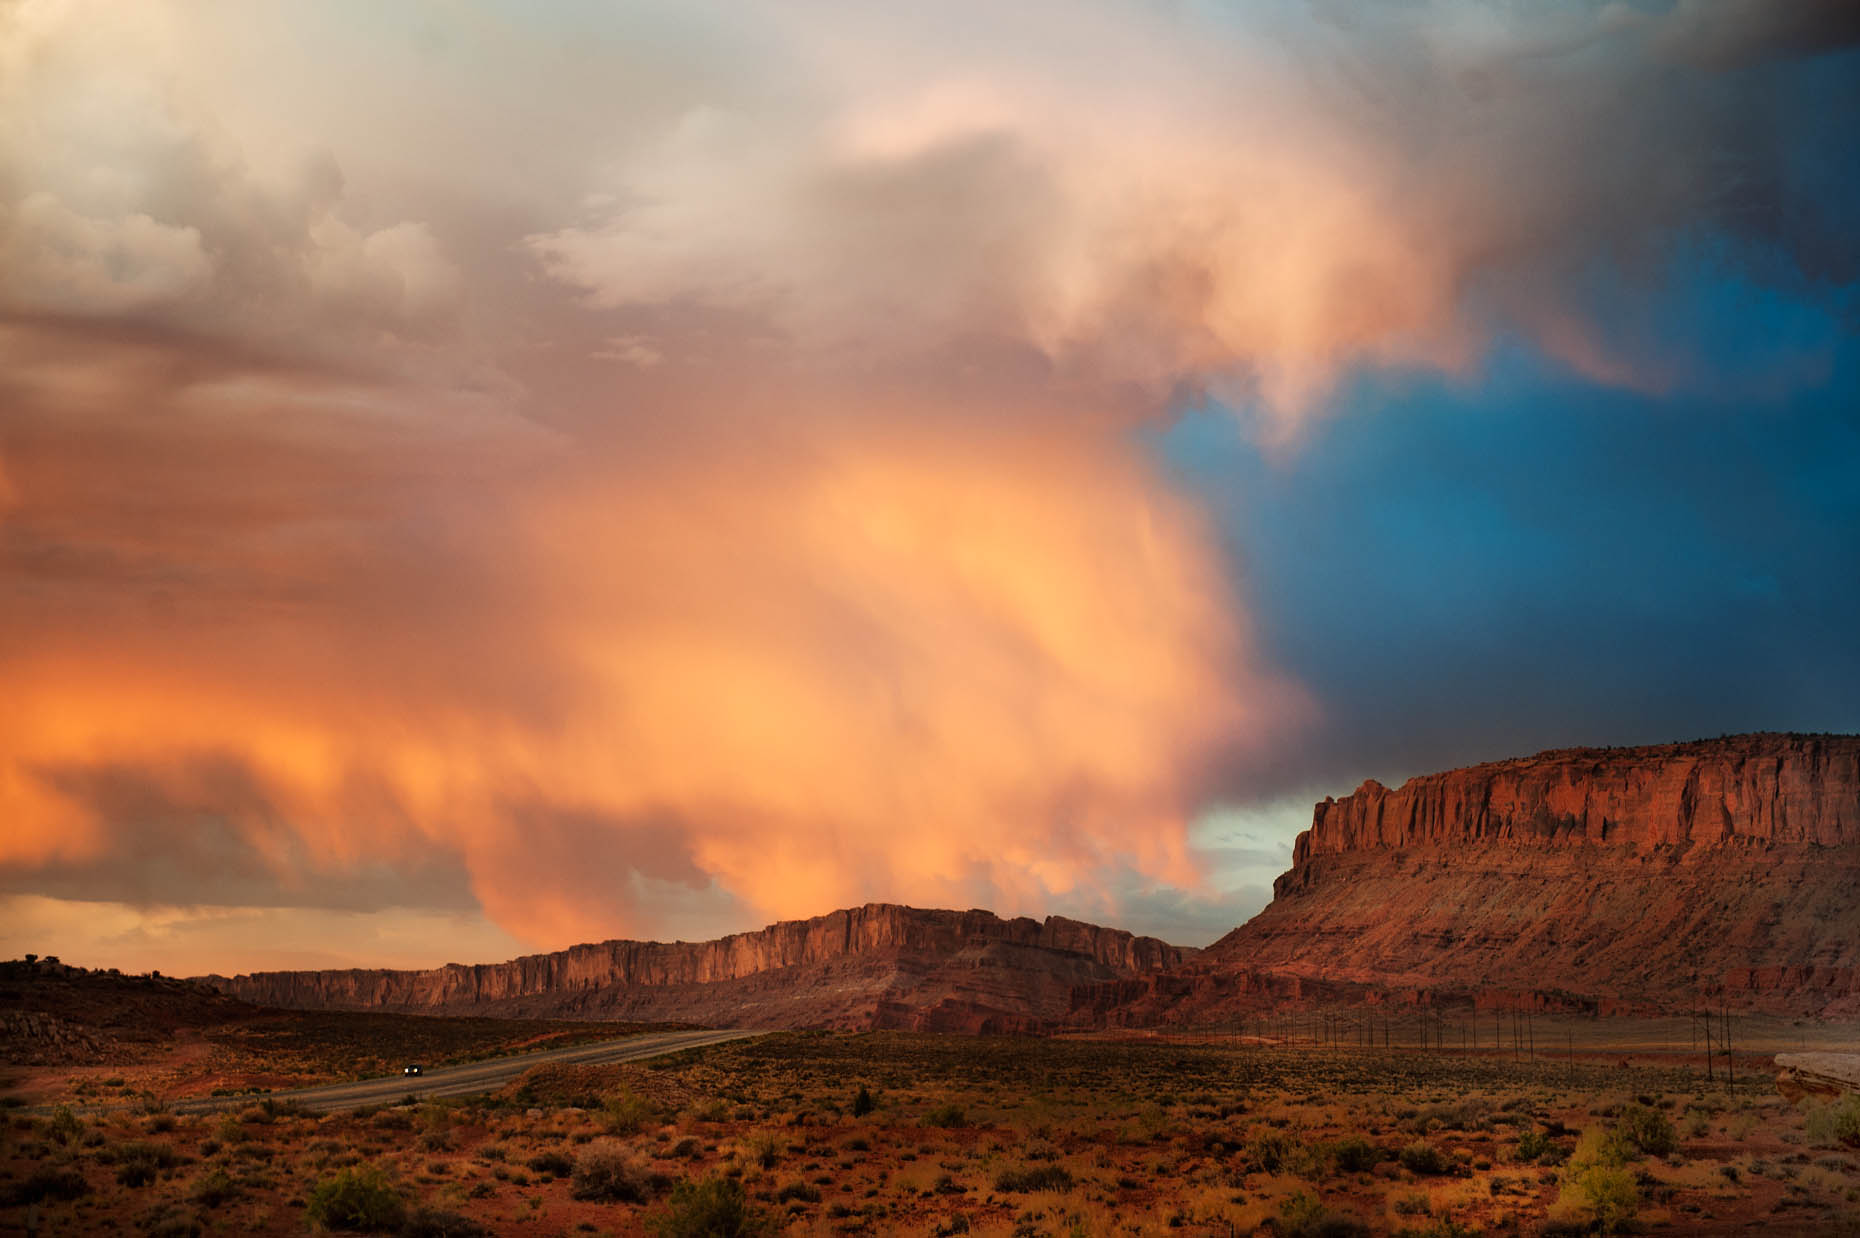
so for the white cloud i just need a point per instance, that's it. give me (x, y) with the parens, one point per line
(64, 262)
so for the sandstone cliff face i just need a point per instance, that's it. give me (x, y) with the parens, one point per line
(1645, 878)
(1771, 789)
(874, 966)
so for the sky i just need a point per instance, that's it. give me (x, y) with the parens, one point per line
(476, 477)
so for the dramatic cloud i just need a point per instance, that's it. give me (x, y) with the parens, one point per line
(660, 467)
(837, 651)
(1255, 199)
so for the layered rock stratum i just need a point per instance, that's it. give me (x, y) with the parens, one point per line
(1716, 872)
(877, 966)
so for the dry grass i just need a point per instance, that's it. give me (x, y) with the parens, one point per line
(1054, 1137)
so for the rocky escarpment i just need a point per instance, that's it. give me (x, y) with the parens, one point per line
(1768, 789)
(874, 966)
(1647, 878)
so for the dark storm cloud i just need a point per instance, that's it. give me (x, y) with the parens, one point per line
(1736, 33)
(1468, 573)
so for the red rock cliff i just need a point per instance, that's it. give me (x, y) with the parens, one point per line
(877, 965)
(1761, 788)
(1647, 877)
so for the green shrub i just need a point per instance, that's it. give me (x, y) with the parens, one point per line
(360, 1198)
(950, 1117)
(1646, 1130)
(1034, 1178)
(1422, 1157)
(1537, 1148)
(61, 1183)
(764, 1149)
(714, 1207)
(1605, 1195)
(170, 1221)
(1305, 1216)
(1354, 1154)
(65, 1126)
(1269, 1152)
(551, 1162)
(438, 1223)
(213, 1188)
(1445, 1227)
(626, 1112)
(138, 1163)
(800, 1191)
(1597, 1188)
(862, 1102)
(605, 1171)
(1836, 1122)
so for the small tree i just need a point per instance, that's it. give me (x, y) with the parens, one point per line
(1597, 1186)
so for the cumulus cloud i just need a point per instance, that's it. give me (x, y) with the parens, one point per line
(1257, 198)
(62, 261)
(124, 193)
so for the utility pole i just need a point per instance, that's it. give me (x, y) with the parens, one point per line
(1730, 1062)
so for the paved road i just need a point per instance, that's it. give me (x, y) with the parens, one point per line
(473, 1077)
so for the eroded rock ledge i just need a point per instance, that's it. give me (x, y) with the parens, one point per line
(880, 965)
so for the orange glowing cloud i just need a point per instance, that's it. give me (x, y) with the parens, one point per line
(905, 651)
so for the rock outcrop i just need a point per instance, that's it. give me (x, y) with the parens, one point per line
(1767, 789)
(1657, 878)
(53, 1014)
(874, 966)
(1819, 1074)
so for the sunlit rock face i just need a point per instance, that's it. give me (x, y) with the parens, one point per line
(1762, 788)
(1649, 878)
(879, 965)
